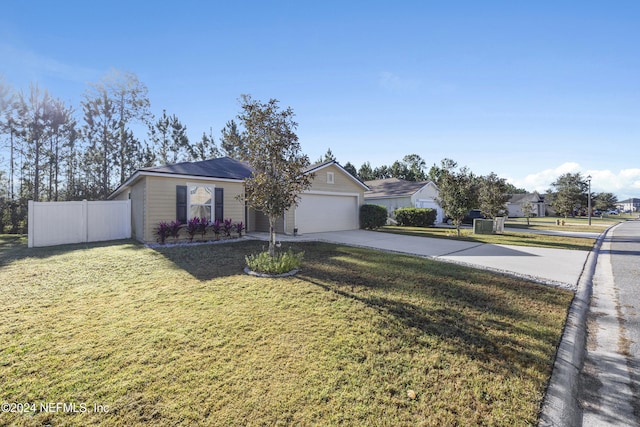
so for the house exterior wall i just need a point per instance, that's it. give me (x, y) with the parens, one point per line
(161, 200)
(137, 195)
(391, 203)
(342, 184)
(427, 192)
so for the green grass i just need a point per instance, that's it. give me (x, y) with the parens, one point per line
(178, 336)
(507, 238)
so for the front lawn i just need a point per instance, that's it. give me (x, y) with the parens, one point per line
(179, 336)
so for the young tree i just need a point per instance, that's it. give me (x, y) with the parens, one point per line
(274, 153)
(527, 210)
(492, 196)
(457, 194)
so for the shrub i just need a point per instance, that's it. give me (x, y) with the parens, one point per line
(202, 226)
(192, 227)
(162, 231)
(216, 227)
(416, 217)
(239, 226)
(227, 226)
(372, 216)
(174, 229)
(280, 263)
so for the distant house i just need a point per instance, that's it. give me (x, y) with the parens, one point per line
(394, 193)
(629, 205)
(516, 201)
(214, 188)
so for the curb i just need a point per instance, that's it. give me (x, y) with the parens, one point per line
(561, 406)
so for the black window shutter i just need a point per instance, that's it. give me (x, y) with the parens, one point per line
(219, 202)
(181, 203)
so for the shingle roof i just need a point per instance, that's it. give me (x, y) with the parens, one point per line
(223, 167)
(393, 187)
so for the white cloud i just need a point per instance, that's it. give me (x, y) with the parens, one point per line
(624, 183)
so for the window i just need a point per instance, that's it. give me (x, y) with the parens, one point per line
(195, 200)
(330, 178)
(200, 201)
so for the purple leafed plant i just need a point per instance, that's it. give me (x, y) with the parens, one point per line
(239, 226)
(202, 226)
(216, 227)
(192, 227)
(227, 226)
(174, 229)
(162, 231)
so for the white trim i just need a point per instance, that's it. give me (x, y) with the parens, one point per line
(331, 179)
(212, 188)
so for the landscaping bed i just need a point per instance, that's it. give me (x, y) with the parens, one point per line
(181, 336)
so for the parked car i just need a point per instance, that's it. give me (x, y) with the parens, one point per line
(613, 212)
(468, 218)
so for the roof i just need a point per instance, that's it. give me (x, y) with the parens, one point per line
(223, 167)
(394, 187)
(523, 197)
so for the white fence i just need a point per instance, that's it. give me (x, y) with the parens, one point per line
(59, 223)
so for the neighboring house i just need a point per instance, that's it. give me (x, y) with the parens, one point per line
(394, 193)
(629, 205)
(213, 189)
(516, 201)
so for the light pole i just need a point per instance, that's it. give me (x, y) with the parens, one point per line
(589, 200)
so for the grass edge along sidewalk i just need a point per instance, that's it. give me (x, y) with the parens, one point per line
(179, 336)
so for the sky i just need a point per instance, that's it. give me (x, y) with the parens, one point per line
(528, 90)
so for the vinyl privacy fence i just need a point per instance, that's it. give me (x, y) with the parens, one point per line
(59, 223)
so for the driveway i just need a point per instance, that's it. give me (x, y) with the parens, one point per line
(553, 266)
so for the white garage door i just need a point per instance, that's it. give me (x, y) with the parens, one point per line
(316, 213)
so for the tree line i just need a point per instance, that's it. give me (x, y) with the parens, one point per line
(59, 152)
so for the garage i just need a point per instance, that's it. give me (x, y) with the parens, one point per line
(431, 204)
(322, 212)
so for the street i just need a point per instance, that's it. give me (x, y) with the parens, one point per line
(610, 378)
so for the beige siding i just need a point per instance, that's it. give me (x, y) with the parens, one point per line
(342, 182)
(161, 200)
(138, 207)
(136, 194)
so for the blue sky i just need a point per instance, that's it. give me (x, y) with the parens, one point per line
(529, 90)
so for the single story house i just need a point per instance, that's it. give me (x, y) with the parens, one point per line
(213, 189)
(516, 201)
(394, 193)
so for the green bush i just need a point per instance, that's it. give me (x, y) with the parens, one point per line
(280, 263)
(372, 216)
(416, 217)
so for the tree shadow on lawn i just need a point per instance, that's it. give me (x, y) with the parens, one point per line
(209, 261)
(474, 312)
(14, 248)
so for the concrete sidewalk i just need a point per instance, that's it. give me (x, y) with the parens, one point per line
(552, 266)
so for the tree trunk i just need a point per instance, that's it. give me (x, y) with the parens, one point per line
(272, 235)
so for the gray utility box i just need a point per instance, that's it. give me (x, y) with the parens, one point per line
(482, 226)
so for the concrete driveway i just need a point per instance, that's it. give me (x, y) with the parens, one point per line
(554, 266)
